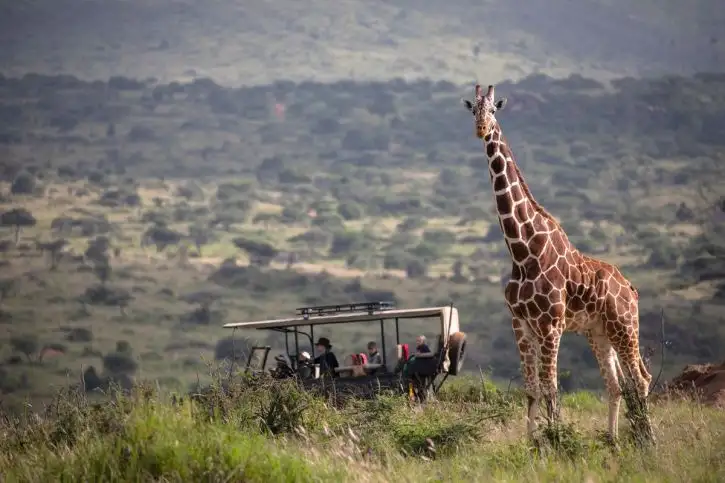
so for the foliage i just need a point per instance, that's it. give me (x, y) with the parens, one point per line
(271, 430)
(402, 212)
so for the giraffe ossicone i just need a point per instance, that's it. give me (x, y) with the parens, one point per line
(554, 288)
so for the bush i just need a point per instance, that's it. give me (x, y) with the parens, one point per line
(396, 260)
(347, 242)
(412, 223)
(28, 345)
(23, 184)
(350, 211)
(79, 334)
(119, 363)
(416, 268)
(232, 348)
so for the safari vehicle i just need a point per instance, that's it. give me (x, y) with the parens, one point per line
(421, 375)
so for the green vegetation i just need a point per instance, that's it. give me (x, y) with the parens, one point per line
(146, 215)
(252, 431)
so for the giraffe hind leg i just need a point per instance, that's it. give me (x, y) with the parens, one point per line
(635, 385)
(611, 372)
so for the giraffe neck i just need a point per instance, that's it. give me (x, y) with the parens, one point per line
(523, 221)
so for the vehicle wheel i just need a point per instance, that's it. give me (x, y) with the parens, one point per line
(456, 352)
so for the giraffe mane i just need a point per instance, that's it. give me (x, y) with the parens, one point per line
(503, 145)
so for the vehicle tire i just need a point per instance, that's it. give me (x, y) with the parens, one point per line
(456, 352)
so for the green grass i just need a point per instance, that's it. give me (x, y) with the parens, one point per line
(273, 432)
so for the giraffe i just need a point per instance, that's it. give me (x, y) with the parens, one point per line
(554, 288)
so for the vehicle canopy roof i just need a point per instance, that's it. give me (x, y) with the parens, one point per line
(351, 313)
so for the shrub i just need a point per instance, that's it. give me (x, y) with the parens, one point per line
(119, 363)
(350, 211)
(25, 344)
(23, 184)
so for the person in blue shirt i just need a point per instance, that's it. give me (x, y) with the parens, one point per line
(421, 346)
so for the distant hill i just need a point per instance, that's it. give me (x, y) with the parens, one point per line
(261, 41)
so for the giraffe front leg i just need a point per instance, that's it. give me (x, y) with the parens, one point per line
(529, 363)
(548, 373)
(610, 371)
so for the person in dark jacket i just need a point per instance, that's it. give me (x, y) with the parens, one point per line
(327, 360)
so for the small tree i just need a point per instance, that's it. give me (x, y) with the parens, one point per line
(119, 363)
(200, 236)
(124, 347)
(97, 248)
(26, 345)
(457, 269)
(7, 285)
(160, 236)
(416, 268)
(23, 184)
(103, 271)
(17, 218)
(53, 249)
(350, 211)
(205, 299)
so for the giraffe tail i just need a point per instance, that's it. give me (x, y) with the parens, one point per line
(620, 373)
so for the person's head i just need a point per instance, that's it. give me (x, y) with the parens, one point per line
(323, 344)
(420, 341)
(372, 347)
(484, 110)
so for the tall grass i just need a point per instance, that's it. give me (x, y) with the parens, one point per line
(260, 430)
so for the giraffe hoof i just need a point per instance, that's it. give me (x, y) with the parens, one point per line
(609, 440)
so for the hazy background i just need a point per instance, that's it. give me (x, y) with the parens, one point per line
(256, 42)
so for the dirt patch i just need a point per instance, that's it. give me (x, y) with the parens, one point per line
(702, 382)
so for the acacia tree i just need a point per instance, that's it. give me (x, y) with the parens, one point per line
(17, 218)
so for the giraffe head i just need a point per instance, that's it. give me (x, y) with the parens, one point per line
(484, 110)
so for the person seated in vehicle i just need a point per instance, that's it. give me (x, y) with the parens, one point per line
(327, 359)
(374, 357)
(421, 346)
(282, 369)
(304, 365)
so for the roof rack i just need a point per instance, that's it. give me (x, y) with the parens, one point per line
(368, 307)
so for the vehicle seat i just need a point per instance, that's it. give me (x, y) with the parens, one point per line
(403, 352)
(358, 360)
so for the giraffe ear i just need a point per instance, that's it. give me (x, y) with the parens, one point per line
(501, 103)
(468, 104)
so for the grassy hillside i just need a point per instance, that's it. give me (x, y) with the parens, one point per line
(247, 435)
(259, 42)
(177, 207)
